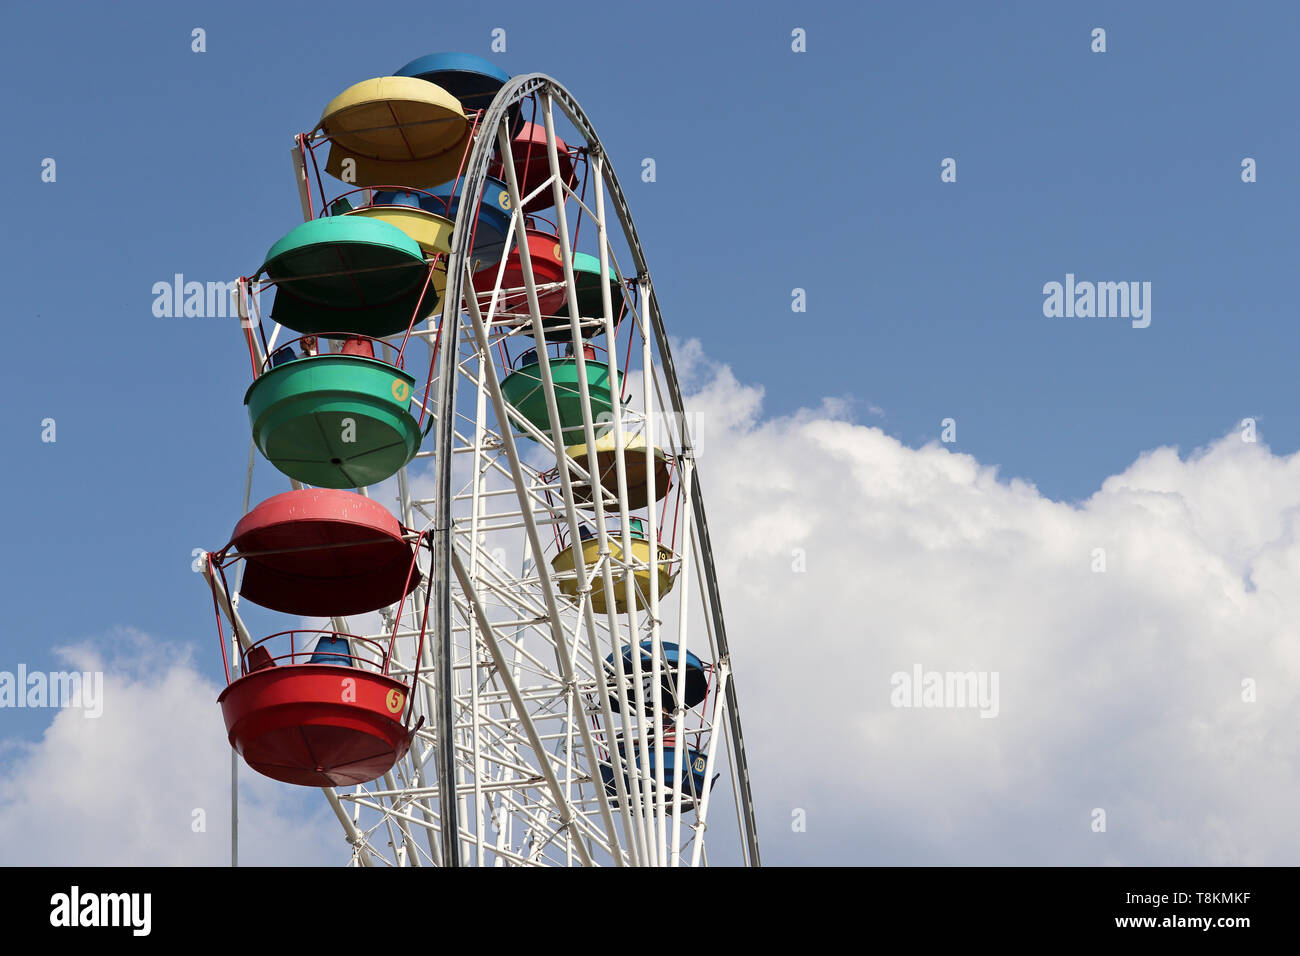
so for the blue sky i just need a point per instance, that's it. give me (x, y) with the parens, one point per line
(775, 170)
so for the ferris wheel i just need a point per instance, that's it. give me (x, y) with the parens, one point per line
(522, 661)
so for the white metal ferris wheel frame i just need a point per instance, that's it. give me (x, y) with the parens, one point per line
(648, 814)
(444, 554)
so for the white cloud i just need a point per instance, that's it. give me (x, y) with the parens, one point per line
(122, 789)
(1119, 690)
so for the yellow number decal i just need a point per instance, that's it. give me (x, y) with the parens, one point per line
(558, 256)
(394, 701)
(699, 765)
(504, 200)
(401, 391)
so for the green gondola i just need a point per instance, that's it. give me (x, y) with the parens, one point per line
(334, 421)
(348, 272)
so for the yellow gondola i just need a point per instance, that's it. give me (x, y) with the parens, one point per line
(567, 578)
(395, 129)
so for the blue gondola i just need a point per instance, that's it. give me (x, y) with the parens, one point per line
(493, 226)
(690, 777)
(697, 679)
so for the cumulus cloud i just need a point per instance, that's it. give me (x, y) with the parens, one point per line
(846, 557)
(123, 789)
(1120, 690)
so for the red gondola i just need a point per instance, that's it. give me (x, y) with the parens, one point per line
(548, 272)
(322, 552)
(533, 166)
(316, 724)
